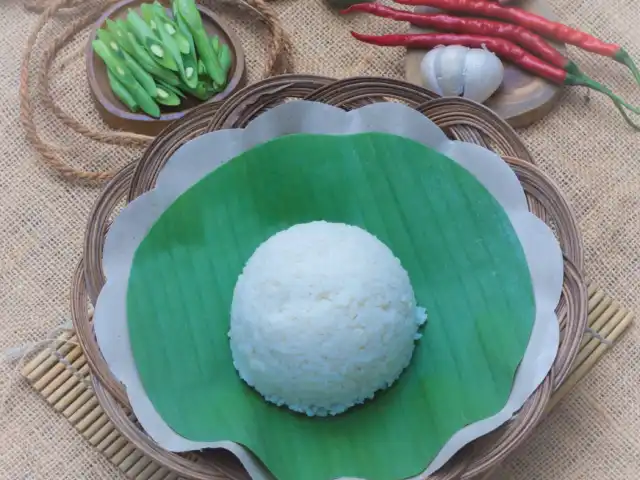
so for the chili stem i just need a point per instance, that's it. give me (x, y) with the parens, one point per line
(623, 57)
(584, 81)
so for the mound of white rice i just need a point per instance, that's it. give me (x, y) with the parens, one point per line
(323, 316)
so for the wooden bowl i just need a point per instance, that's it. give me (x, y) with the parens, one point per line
(117, 115)
(523, 98)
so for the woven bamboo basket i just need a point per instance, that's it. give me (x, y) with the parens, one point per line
(461, 120)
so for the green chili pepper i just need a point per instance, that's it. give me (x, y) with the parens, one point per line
(155, 13)
(215, 88)
(187, 11)
(201, 92)
(182, 41)
(189, 60)
(140, 54)
(121, 36)
(225, 59)
(120, 70)
(188, 73)
(140, 74)
(149, 64)
(150, 41)
(167, 97)
(215, 43)
(171, 88)
(210, 87)
(128, 42)
(121, 92)
(109, 40)
(183, 29)
(201, 69)
(160, 9)
(147, 11)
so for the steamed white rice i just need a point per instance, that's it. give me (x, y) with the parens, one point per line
(323, 316)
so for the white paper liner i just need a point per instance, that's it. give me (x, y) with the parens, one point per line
(200, 156)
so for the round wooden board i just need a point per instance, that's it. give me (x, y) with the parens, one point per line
(522, 99)
(116, 115)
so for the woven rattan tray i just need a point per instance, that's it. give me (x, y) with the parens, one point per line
(461, 120)
(60, 374)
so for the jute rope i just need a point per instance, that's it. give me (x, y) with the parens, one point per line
(39, 6)
(85, 12)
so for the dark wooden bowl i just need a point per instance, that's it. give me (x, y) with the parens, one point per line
(116, 115)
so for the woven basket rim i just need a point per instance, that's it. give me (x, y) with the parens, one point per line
(461, 119)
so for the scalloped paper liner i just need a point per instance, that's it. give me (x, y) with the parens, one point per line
(193, 161)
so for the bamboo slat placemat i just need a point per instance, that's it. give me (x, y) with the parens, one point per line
(60, 374)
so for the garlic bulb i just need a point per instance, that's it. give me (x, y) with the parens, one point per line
(473, 73)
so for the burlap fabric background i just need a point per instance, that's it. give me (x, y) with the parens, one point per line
(583, 144)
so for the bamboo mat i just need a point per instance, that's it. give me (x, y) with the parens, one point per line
(60, 374)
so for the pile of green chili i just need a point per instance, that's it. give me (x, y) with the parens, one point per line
(154, 58)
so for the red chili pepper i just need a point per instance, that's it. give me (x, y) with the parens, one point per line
(503, 49)
(475, 26)
(535, 23)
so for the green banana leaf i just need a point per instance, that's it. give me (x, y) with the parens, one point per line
(462, 254)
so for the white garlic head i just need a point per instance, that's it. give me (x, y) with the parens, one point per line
(457, 71)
